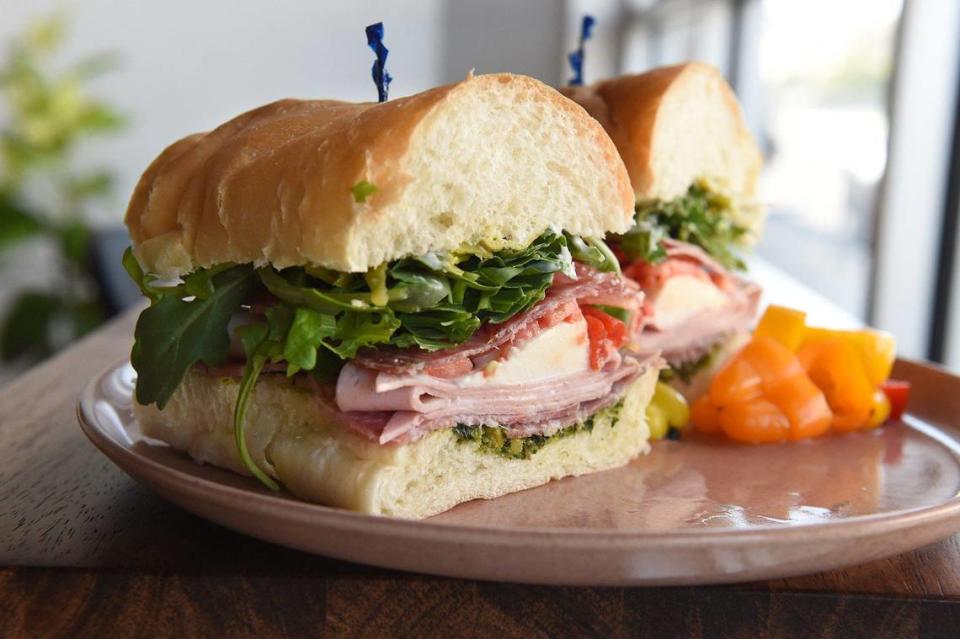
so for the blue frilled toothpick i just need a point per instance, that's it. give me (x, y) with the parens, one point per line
(380, 76)
(576, 57)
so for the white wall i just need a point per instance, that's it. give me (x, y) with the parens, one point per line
(519, 36)
(187, 65)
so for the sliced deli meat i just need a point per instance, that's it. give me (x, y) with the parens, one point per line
(552, 366)
(419, 404)
(692, 302)
(494, 340)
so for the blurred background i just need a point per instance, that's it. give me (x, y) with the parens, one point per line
(854, 103)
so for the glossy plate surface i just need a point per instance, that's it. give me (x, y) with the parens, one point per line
(696, 511)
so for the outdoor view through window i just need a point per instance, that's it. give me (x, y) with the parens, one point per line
(824, 125)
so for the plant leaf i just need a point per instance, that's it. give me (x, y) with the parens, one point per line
(16, 223)
(92, 184)
(74, 239)
(26, 326)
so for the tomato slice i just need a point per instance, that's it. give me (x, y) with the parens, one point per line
(899, 393)
(606, 333)
(652, 277)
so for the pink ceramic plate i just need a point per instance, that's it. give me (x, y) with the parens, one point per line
(691, 512)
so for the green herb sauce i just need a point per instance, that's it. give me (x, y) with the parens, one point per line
(493, 439)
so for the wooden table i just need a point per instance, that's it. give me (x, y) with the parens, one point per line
(87, 551)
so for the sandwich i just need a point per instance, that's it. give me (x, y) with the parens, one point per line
(396, 307)
(693, 166)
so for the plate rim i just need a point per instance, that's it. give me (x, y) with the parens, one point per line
(210, 490)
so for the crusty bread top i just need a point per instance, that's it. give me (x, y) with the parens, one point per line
(674, 126)
(493, 158)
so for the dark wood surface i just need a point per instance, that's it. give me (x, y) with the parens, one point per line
(87, 551)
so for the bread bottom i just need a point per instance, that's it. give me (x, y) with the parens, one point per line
(324, 463)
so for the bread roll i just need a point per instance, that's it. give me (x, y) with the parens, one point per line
(675, 126)
(328, 464)
(493, 158)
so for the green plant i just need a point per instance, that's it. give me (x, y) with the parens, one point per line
(44, 197)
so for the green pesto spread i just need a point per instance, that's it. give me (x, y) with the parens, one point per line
(493, 439)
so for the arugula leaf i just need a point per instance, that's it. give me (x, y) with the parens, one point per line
(174, 334)
(355, 330)
(700, 217)
(307, 333)
(593, 252)
(133, 269)
(436, 329)
(323, 301)
(257, 344)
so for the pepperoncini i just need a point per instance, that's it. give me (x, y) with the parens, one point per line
(667, 409)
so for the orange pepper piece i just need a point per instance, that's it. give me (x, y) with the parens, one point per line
(736, 381)
(787, 385)
(777, 366)
(756, 422)
(705, 416)
(836, 368)
(808, 410)
(763, 394)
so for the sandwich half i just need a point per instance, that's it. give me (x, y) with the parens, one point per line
(392, 308)
(694, 167)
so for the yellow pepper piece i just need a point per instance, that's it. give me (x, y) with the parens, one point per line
(784, 325)
(877, 349)
(880, 411)
(667, 409)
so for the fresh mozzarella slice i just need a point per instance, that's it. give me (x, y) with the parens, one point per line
(683, 296)
(562, 349)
